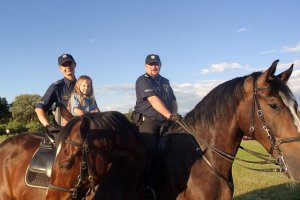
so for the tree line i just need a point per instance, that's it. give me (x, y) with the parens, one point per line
(19, 116)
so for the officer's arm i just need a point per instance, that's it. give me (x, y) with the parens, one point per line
(174, 106)
(159, 106)
(42, 116)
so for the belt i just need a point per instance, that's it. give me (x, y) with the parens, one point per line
(149, 118)
(144, 118)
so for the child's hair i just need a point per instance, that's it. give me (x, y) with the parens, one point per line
(80, 95)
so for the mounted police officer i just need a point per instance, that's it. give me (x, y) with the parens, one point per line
(155, 104)
(57, 94)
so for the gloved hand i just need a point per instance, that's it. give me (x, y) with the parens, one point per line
(174, 117)
(53, 129)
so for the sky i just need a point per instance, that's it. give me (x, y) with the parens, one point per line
(201, 43)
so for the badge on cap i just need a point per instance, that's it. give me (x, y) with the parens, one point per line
(65, 56)
(152, 57)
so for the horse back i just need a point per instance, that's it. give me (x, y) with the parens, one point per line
(15, 155)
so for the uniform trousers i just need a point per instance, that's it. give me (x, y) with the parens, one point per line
(150, 134)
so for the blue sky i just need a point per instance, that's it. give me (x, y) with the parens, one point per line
(202, 43)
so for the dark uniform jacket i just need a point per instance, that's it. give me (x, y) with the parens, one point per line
(57, 93)
(147, 86)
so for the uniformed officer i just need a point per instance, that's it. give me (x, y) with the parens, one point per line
(155, 103)
(58, 92)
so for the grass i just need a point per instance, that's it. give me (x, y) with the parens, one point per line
(250, 185)
(256, 185)
(2, 138)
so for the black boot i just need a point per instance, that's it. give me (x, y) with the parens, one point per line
(150, 194)
(49, 139)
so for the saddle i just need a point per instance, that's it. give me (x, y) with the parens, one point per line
(39, 169)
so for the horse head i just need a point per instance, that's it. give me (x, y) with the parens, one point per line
(273, 117)
(206, 141)
(87, 152)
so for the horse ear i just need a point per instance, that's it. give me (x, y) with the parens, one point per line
(84, 126)
(264, 78)
(284, 76)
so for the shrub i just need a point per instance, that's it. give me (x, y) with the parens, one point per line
(16, 127)
(34, 126)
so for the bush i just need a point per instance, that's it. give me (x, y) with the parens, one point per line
(2, 129)
(16, 127)
(34, 126)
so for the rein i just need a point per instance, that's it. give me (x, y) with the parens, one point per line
(265, 158)
(85, 171)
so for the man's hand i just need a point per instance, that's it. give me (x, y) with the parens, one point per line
(53, 129)
(174, 117)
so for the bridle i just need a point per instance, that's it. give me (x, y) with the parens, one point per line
(85, 173)
(275, 143)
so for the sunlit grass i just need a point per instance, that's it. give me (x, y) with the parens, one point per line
(261, 185)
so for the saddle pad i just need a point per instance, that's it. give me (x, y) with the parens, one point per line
(36, 179)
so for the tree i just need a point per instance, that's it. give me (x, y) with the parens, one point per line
(128, 115)
(5, 114)
(23, 108)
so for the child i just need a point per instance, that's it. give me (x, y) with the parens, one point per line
(82, 99)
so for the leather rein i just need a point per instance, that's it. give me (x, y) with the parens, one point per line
(85, 171)
(275, 143)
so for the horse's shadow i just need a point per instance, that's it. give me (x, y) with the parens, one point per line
(277, 192)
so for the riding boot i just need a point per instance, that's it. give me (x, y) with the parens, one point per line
(150, 194)
(49, 139)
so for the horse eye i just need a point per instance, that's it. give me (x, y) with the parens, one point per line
(274, 106)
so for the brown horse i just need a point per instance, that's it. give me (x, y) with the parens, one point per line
(96, 149)
(196, 155)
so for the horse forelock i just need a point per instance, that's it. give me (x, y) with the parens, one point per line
(288, 99)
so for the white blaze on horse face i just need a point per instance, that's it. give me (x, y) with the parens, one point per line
(58, 149)
(290, 105)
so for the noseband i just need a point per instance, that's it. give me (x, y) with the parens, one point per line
(85, 171)
(275, 143)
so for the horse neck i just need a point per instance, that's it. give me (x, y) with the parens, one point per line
(223, 134)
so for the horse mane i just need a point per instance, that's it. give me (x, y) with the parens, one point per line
(112, 126)
(219, 101)
(224, 99)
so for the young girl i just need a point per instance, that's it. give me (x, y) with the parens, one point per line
(82, 99)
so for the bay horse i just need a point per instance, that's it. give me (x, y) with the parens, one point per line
(196, 155)
(95, 149)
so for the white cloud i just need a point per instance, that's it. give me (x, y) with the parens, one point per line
(268, 51)
(287, 65)
(221, 67)
(121, 97)
(296, 63)
(291, 49)
(242, 30)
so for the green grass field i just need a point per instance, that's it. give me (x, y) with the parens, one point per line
(253, 185)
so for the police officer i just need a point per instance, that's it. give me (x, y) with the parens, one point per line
(58, 93)
(155, 103)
